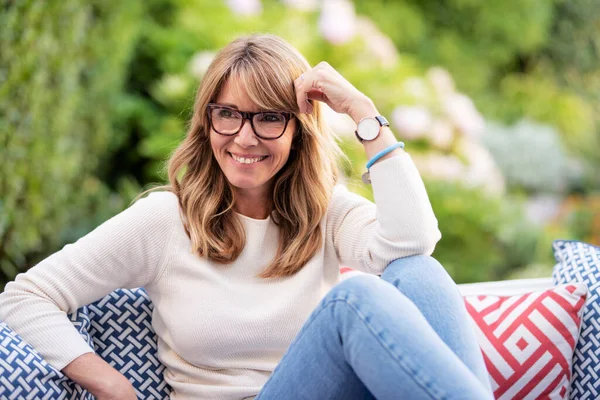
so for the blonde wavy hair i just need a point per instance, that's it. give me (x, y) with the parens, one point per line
(266, 67)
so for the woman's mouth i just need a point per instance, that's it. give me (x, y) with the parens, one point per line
(247, 160)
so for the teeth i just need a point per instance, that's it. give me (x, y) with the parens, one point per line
(244, 160)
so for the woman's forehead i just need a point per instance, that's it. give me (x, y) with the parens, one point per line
(234, 93)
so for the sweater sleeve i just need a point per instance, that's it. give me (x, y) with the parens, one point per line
(401, 223)
(126, 251)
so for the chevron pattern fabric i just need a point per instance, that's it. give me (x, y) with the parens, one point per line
(119, 329)
(580, 262)
(528, 340)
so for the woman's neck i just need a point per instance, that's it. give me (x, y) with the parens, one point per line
(253, 206)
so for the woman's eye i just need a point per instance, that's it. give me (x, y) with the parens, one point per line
(271, 118)
(227, 114)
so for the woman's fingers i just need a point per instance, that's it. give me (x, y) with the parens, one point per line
(301, 92)
(309, 85)
(323, 83)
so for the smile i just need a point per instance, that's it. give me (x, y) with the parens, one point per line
(244, 160)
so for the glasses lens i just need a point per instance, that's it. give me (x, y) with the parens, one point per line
(225, 121)
(269, 124)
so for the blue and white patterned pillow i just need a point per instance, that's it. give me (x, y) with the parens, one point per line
(578, 261)
(118, 327)
(24, 374)
(121, 329)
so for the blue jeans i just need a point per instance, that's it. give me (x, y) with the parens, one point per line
(406, 335)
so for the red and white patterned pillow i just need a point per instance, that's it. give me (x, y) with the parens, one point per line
(528, 340)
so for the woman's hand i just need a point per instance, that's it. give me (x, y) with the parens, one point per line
(324, 83)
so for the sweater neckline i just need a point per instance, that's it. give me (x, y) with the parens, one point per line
(259, 221)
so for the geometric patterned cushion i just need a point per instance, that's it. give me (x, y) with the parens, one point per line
(580, 262)
(528, 340)
(24, 374)
(119, 329)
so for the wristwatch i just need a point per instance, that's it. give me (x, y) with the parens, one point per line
(368, 128)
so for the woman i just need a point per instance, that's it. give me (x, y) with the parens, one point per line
(240, 256)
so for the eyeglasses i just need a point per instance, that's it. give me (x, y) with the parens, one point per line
(228, 121)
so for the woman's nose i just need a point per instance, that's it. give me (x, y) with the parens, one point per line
(246, 136)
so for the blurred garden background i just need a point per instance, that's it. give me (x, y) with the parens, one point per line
(497, 101)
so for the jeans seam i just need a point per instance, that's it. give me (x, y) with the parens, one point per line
(428, 387)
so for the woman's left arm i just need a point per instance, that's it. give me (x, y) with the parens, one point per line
(402, 223)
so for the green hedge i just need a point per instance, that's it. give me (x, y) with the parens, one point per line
(62, 67)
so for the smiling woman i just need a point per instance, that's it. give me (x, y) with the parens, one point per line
(251, 80)
(240, 255)
(249, 163)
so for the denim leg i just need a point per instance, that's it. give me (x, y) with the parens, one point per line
(427, 284)
(366, 339)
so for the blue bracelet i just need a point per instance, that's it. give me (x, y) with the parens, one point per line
(383, 153)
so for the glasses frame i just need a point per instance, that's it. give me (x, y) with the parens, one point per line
(246, 115)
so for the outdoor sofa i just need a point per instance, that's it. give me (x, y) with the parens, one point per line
(118, 327)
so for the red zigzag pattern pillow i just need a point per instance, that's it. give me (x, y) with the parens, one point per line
(528, 340)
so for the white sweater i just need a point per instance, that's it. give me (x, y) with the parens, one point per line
(221, 330)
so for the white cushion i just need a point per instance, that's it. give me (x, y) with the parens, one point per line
(506, 288)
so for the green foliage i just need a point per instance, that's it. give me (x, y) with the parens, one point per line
(61, 66)
(473, 39)
(95, 95)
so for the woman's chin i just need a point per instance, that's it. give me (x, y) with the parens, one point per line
(247, 184)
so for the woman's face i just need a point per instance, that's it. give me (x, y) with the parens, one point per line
(254, 178)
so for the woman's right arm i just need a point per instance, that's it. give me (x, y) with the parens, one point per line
(129, 250)
(99, 378)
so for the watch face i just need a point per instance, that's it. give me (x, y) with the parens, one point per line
(368, 128)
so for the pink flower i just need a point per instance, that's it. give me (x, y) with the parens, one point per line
(462, 113)
(378, 45)
(441, 80)
(441, 134)
(482, 170)
(415, 87)
(341, 124)
(438, 166)
(411, 122)
(337, 21)
(245, 7)
(303, 5)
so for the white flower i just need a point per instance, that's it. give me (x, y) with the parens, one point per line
(245, 7)
(302, 5)
(462, 113)
(337, 21)
(441, 80)
(411, 122)
(441, 134)
(200, 63)
(415, 87)
(341, 124)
